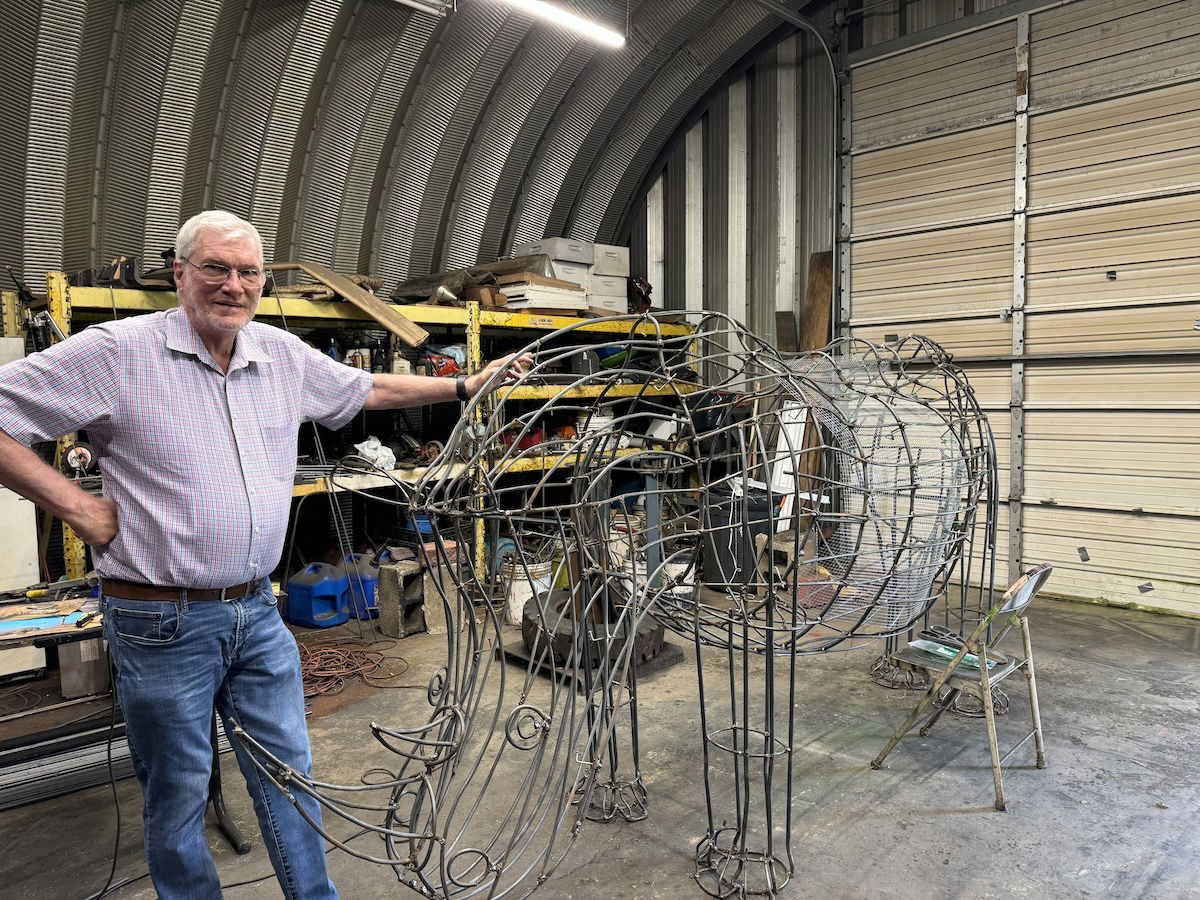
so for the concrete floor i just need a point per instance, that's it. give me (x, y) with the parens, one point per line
(1114, 814)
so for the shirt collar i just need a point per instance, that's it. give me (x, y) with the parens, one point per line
(182, 336)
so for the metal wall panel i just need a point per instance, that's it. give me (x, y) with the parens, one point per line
(765, 231)
(1091, 263)
(590, 114)
(651, 122)
(1116, 149)
(737, 188)
(432, 127)
(358, 99)
(953, 178)
(1148, 384)
(91, 103)
(693, 218)
(1132, 254)
(964, 338)
(1122, 460)
(59, 37)
(716, 188)
(759, 201)
(127, 141)
(1132, 559)
(1115, 330)
(676, 262)
(1091, 49)
(1130, 285)
(962, 82)
(991, 385)
(173, 132)
(20, 38)
(462, 131)
(501, 121)
(947, 272)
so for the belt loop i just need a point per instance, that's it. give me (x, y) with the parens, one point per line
(183, 601)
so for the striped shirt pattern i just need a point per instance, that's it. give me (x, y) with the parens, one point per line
(199, 463)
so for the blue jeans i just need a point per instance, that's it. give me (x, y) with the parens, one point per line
(175, 661)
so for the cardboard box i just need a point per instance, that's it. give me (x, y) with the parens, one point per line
(83, 668)
(565, 270)
(609, 286)
(485, 295)
(559, 248)
(610, 305)
(611, 259)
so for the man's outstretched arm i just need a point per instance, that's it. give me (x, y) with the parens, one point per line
(402, 391)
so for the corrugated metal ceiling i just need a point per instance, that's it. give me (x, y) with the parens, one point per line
(364, 135)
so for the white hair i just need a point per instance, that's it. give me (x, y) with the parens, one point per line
(214, 220)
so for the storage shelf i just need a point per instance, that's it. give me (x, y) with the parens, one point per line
(363, 481)
(541, 463)
(553, 391)
(102, 299)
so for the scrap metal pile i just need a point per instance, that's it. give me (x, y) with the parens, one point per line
(692, 478)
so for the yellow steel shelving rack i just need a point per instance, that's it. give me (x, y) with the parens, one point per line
(64, 301)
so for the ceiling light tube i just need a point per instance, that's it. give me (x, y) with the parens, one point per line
(433, 7)
(559, 16)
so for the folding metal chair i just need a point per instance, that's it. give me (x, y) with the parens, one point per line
(976, 668)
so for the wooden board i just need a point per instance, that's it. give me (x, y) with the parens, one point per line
(384, 313)
(818, 302)
(534, 278)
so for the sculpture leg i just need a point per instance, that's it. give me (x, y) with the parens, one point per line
(748, 766)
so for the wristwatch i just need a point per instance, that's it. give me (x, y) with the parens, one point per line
(460, 388)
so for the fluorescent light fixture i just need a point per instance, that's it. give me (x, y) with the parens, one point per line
(594, 31)
(439, 8)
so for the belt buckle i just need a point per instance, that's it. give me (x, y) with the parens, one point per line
(224, 595)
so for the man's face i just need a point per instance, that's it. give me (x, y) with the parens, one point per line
(219, 309)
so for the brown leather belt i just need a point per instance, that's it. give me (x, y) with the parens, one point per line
(135, 590)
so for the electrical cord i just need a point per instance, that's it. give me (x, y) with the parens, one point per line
(112, 783)
(329, 666)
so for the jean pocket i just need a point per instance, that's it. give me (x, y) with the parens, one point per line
(143, 621)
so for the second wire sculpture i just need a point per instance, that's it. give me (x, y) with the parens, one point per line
(687, 477)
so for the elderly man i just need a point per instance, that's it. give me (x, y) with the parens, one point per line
(192, 411)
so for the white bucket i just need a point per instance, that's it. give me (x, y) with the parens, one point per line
(522, 584)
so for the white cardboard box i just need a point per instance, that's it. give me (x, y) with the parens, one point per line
(559, 248)
(611, 260)
(615, 305)
(571, 271)
(609, 285)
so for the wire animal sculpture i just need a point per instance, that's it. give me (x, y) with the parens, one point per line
(688, 476)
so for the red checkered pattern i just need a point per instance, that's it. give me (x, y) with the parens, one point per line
(199, 463)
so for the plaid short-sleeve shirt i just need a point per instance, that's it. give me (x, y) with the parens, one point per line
(199, 463)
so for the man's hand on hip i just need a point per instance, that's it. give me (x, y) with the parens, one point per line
(96, 521)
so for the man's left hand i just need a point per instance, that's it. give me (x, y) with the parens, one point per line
(513, 366)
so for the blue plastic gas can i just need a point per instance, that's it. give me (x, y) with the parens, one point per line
(362, 574)
(318, 596)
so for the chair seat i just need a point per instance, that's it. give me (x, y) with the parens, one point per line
(914, 659)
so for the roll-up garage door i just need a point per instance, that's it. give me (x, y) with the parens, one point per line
(1026, 192)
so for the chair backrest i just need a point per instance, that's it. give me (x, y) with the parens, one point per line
(1015, 599)
(1025, 588)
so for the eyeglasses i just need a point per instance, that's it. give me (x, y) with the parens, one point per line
(215, 273)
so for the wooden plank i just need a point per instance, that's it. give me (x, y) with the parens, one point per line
(385, 314)
(818, 302)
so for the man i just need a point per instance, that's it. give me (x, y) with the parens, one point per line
(194, 413)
